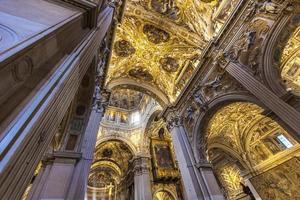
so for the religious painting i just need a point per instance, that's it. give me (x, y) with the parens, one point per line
(163, 160)
(163, 156)
(281, 182)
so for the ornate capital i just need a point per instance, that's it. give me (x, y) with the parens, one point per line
(141, 165)
(174, 120)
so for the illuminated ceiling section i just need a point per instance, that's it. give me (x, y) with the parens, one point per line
(159, 42)
(290, 63)
(126, 99)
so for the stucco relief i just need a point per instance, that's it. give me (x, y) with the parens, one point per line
(280, 183)
(247, 48)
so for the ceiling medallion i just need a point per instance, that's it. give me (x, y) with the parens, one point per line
(155, 35)
(123, 48)
(169, 64)
(141, 73)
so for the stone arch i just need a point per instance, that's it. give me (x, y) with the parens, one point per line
(167, 191)
(228, 127)
(213, 106)
(273, 49)
(128, 83)
(125, 140)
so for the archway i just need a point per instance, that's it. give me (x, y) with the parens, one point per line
(243, 146)
(163, 195)
(278, 50)
(146, 88)
(109, 170)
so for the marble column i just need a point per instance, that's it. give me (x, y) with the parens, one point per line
(142, 183)
(80, 178)
(198, 180)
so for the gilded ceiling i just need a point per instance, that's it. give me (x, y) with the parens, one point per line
(126, 99)
(158, 43)
(250, 136)
(240, 140)
(116, 152)
(290, 63)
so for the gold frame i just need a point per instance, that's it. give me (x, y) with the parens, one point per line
(160, 172)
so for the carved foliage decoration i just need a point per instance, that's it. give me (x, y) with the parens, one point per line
(163, 195)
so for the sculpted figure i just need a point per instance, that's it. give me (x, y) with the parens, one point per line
(198, 98)
(269, 7)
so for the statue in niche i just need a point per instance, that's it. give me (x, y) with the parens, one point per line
(258, 154)
(190, 113)
(271, 146)
(161, 133)
(190, 119)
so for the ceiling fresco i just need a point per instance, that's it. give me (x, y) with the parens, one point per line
(126, 99)
(158, 43)
(116, 152)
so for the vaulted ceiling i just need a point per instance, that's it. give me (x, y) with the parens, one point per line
(158, 42)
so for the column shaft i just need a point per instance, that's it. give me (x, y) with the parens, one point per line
(199, 184)
(142, 183)
(80, 178)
